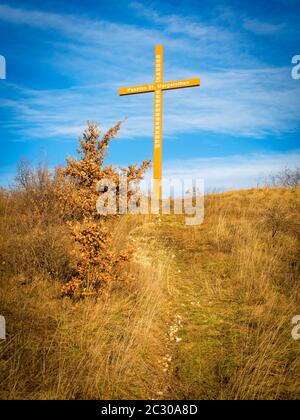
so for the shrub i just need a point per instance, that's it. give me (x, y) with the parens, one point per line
(37, 192)
(97, 262)
(287, 178)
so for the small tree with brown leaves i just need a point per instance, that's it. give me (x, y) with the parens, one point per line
(98, 265)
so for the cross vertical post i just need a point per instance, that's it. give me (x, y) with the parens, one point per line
(158, 97)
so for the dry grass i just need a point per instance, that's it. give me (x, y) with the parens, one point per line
(240, 290)
(234, 281)
(56, 348)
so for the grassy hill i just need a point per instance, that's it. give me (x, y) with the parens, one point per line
(206, 315)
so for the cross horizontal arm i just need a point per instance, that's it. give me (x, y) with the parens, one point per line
(132, 90)
(178, 84)
(175, 84)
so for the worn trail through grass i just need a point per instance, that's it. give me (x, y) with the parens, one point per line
(196, 322)
(230, 298)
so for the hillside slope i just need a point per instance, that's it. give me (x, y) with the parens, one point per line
(233, 284)
(207, 316)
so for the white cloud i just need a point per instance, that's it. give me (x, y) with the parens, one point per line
(99, 56)
(262, 28)
(232, 172)
(7, 176)
(219, 173)
(254, 102)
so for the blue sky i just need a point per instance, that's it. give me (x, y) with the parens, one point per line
(66, 61)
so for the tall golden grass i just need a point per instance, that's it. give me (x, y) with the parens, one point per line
(103, 347)
(206, 315)
(242, 264)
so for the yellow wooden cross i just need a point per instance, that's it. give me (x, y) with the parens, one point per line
(157, 87)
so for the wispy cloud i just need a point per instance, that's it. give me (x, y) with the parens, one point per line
(237, 102)
(262, 28)
(247, 99)
(232, 172)
(88, 32)
(175, 24)
(218, 173)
